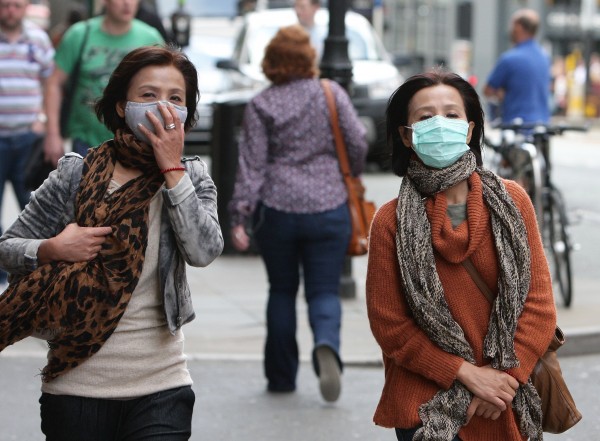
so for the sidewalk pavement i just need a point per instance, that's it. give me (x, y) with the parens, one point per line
(230, 298)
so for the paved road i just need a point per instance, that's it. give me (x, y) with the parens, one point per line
(231, 403)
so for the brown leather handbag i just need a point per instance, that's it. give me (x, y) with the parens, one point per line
(559, 412)
(361, 210)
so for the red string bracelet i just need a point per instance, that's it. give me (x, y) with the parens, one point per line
(167, 170)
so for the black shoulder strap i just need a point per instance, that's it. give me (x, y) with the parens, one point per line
(73, 76)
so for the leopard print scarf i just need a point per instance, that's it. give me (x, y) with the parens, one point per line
(445, 413)
(82, 303)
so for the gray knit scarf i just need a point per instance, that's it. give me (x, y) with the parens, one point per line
(445, 413)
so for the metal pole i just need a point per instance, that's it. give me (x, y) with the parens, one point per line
(336, 65)
(588, 12)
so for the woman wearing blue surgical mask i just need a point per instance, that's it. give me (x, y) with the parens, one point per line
(97, 262)
(456, 367)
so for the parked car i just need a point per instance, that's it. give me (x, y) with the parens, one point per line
(202, 8)
(374, 75)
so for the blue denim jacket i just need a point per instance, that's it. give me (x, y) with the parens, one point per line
(190, 231)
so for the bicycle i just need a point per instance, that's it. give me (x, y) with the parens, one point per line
(524, 156)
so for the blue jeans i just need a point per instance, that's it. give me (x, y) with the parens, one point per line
(162, 416)
(14, 153)
(79, 146)
(316, 243)
(407, 434)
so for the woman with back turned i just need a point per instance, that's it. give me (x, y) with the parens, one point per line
(290, 189)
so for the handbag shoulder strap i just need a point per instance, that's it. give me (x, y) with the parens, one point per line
(483, 287)
(340, 146)
(77, 66)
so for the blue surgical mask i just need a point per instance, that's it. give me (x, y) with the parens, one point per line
(439, 142)
(135, 113)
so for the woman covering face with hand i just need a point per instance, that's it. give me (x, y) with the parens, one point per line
(97, 262)
(457, 368)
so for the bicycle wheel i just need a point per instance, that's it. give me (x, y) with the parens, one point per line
(528, 172)
(558, 246)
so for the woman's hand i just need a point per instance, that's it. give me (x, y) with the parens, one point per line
(167, 142)
(489, 384)
(240, 238)
(483, 409)
(73, 244)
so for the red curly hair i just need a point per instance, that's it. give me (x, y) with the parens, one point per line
(290, 56)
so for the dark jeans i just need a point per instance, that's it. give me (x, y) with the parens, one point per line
(79, 146)
(162, 416)
(14, 153)
(407, 434)
(316, 243)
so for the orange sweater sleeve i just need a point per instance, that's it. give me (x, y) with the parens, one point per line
(537, 322)
(390, 318)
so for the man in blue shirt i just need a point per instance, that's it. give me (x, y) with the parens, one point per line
(520, 80)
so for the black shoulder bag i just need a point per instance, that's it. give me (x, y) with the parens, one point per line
(70, 86)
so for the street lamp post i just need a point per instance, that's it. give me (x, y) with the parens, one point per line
(336, 65)
(181, 22)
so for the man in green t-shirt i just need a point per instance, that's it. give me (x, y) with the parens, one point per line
(109, 38)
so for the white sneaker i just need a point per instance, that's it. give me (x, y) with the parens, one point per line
(3, 286)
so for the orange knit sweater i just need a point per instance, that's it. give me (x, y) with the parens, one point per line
(416, 368)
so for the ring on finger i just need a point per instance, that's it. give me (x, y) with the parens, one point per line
(170, 126)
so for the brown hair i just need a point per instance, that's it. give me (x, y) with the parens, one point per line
(397, 113)
(118, 84)
(289, 55)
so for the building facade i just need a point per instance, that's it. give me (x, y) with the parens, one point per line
(468, 36)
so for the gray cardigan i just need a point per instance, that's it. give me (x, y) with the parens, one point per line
(190, 231)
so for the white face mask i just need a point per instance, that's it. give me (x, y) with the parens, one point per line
(135, 113)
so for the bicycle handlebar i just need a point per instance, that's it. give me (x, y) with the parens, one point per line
(539, 128)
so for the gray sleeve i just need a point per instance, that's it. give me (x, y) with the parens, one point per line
(192, 212)
(49, 210)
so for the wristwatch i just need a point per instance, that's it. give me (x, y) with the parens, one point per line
(41, 117)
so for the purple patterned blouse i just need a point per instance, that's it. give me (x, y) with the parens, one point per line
(287, 157)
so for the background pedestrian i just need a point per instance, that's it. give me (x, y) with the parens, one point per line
(289, 186)
(306, 11)
(109, 38)
(25, 64)
(520, 81)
